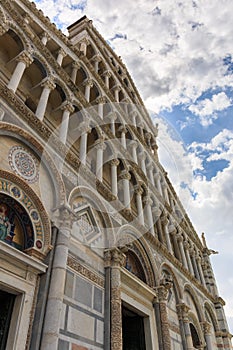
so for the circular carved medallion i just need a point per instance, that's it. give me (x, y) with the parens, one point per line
(23, 163)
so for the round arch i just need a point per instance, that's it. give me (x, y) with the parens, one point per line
(193, 295)
(14, 187)
(209, 309)
(23, 136)
(128, 235)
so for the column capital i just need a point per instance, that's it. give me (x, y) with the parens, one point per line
(84, 127)
(114, 257)
(88, 82)
(133, 144)
(162, 293)
(97, 58)
(107, 73)
(186, 245)
(180, 237)
(147, 200)
(207, 327)
(125, 175)
(138, 189)
(64, 217)
(67, 105)
(101, 99)
(48, 82)
(164, 220)
(45, 35)
(123, 129)
(99, 144)
(156, 211)
(85, 41)
(117, 88)
(182, 311)
(115, 162)
(76, 65)
(62, 52)
(25, 57)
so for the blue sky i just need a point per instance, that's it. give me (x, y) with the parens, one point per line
(179, 54)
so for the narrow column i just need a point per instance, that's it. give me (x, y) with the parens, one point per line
(181, 248)
(156, 212)
(139, 191)
(194, 263)
(183, 311)
(148, 203)
(199, 267)
(206, 326)
(24, 60)
(125, 176)
(60, 56)
(114, 165)
(100, 146)
(142, 158)
(75, 68)
(88, 85)
(112, 117)
(133, 148)
(162, 296)
(84, 129)
(164, 191)
(45, 38)
(186, 249)
(48, 86)
(101, 100)
(148, 138)
(83, 46)
(157, 182)
(67, 108)
(123, 131)
(107, 74)
(133, 115)
(64, 220)
(150, 171)
(116, 260)
(96, 59)
(173, 232)
(117, 88)
(167, 235)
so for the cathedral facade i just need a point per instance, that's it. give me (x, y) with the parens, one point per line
(97, 251)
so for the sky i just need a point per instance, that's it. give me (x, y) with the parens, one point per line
(180, 56)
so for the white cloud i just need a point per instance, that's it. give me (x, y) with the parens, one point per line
(206, 109)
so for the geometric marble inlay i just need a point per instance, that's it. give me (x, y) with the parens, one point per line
(23, 163)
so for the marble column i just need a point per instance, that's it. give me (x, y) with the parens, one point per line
(83, 46)
(100, 147)
(101, 100)
(207, 330)
(112, 117)
(67, 109)
(133, 150)
(63, 219)
(183, 310)
(117, 88)
(165, 222)
(156, 212)
(148, 210)
(60, 56)
(115, 259)
(75, 68)
(45, 38)
(114, 165)
(164, 191)
(139, 191)
(181, 247)
(48, 85)
(173, 232)
(123, 131)
(88, 85)
(84, 130)
(199, 267)
(162, 296)
(187, 254)
(150, 172)
(97, 60)
(24, 59)
(157, 178)
(125, 177)
(194, 263)
(107, 74)
(142, 157)
(133, 115)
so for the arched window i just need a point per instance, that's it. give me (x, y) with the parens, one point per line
(133, 265)
(15, 225)
(194, 335)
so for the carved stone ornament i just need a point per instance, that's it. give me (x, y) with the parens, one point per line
(24, 164)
